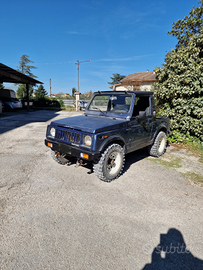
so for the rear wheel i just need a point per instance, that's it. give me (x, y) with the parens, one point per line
(110, 164)
(158, 148)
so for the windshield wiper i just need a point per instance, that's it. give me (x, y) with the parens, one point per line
(97, 109)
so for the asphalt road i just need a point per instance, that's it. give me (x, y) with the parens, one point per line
(60, 217)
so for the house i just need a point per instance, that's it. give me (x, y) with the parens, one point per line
(53, 95)
(138, 81)
(66, 95)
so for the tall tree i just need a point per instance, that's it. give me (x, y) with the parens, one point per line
(26, 69)
(40, 92)
(191, 25)
(179, 90)
(116, 78)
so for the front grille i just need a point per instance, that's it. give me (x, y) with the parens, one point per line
(68, 136)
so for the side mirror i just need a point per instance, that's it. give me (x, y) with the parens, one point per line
(142, 116)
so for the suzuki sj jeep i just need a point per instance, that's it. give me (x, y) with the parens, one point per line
(114, 124)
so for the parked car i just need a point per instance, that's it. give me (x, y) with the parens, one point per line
(11, 104)
(83, 104)
(1, 105)
(113, 125)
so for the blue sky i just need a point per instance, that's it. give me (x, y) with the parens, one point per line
(117, 36)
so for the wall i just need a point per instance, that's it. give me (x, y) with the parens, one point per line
(146, 86)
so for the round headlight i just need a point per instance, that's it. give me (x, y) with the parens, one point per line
(52, 131)
(88, 140)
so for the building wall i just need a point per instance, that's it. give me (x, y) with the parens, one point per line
(146, 86)
(122, 88)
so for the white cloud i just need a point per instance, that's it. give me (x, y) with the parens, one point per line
(122, 59)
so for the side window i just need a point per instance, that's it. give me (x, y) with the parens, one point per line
(141, 105)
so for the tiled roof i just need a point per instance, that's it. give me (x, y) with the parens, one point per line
(140, 76)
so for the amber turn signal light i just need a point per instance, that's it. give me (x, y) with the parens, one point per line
(49, 144)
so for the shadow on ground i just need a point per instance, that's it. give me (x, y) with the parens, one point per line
(172, 253)
(129, 160)
(135, 157)
(12, 120)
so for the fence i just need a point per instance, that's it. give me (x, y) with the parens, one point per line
(68, 102)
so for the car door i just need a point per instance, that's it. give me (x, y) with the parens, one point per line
(139, 126)
(138, 133)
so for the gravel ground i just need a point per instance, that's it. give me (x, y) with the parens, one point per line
(60, 217)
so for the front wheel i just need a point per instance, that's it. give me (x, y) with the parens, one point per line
(158, 148)
(110, 164)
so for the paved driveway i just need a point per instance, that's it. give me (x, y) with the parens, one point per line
(59, 217)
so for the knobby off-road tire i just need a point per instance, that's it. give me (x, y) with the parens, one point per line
(110, 164)
(158, 148)
(60, 160)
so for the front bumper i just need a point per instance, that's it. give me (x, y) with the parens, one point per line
(72, 150)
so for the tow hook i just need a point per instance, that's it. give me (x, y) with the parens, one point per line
(57, 154)
(79, 163)
(62, 158)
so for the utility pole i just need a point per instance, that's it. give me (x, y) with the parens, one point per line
(50, 87)
(77, 63)
(77, 93)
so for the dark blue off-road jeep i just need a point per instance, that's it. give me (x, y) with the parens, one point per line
(114, 124)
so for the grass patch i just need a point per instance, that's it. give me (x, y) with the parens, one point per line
(197, 148)
(174, 163)
(68, 108)
(194, 176)
(194, 147)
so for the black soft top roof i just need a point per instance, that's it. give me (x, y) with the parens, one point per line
(140, 93)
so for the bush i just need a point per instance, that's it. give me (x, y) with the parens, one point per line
(179, 90)
(44, 103)
(61, 103)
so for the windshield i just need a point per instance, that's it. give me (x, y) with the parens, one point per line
(113, 103)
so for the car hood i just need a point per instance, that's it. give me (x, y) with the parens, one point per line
(90, 124)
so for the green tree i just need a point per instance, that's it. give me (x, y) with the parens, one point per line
(26, 69)
(1, 86)
(60, 95)
(73, 92)
(20, 93)
(179, 90)
(40, 92)
(86, 96)
(116, 78)
(191, 25)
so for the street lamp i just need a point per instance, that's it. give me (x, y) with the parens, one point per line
(78, 94)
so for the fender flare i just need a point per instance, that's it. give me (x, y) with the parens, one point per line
(160, 128)
(112, 139)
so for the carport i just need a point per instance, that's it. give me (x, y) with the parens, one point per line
(9, 75)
